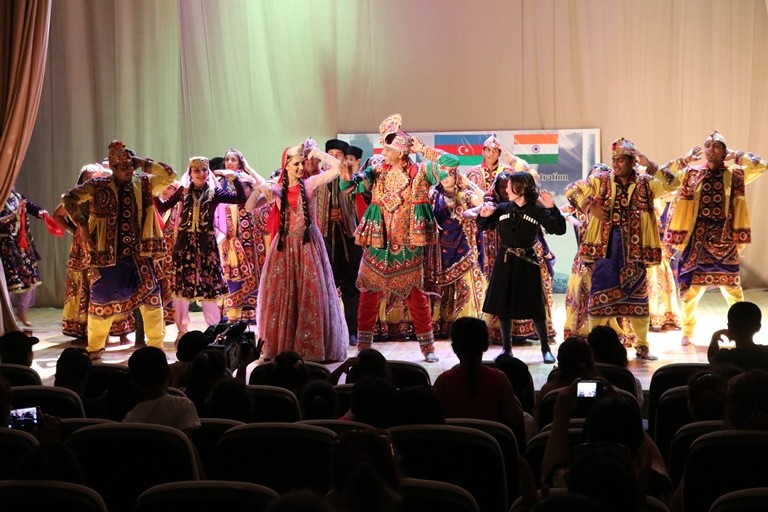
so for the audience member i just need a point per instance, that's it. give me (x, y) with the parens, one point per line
(150, 373)
(520, 377)
(707, 396)
(72, 369)
(574, 361)
(318, 401)
(208, 368)
(228, 399)
(16, 348)
(365, 472)
(50, 461)
(608, 349)
(747, 406)
(743, 322)
(371, 402)
(368, 362)
(190, 344)
(470, 389)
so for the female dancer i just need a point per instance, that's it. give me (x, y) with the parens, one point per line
(298, 307)
(515, 288)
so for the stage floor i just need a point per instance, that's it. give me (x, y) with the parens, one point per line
(711, 316)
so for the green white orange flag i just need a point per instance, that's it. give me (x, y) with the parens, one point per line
(537, 148)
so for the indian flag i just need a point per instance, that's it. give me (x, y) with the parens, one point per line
(468, 147)
(537, 148)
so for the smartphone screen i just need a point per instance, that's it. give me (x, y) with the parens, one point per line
(586, 389)
(23, 419)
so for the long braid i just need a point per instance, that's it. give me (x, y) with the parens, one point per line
(283, 214)
(305, 207)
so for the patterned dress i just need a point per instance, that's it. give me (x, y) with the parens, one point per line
(298, 307)
(17, 245)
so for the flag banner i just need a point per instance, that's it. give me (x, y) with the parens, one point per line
(560, 157)
(537, 148)
(468, 147)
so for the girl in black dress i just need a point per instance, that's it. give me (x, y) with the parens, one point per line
(515, 290)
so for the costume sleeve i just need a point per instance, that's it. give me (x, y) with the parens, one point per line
(753, 165)
(362, 181)
(665, 180)
(31, 207)
(552, 220)
(72, 200)
(164, 206)
(490, 222)
(581, 194)
(323, 178)
(160, 175)
(237, 196)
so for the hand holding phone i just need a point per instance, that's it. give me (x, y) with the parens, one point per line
(589, 389)
(25, 418)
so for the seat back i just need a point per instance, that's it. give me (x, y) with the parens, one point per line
(28, 495)
(100, 377)
(337, 426)
(666, 377)
(272, 403)
(406, 374)
(71, 425)
(619, 376)
(14, 444)
(448, 453)
(205, 495)
(317, 371)
(507, 442)
(671, 414)
(534, 450)
(122, 460)
(59, 402)
(208, 436)
(681, 444)
(20, 375)
(281, 456)
(420, 495)
(746, 500)
(722, 462)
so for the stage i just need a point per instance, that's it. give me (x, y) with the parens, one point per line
(666, 345)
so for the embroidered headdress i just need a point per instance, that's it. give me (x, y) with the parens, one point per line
(622, 146)
(198, 163)
(492, 142)
(401, 141)
(716, 136)
(119, 154)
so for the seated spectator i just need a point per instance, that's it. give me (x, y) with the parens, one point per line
(613, 419)
(520, 377)
(16, 348)
(318, 401)
(150, 373)
(743, 322)
(365, 472)
(574, 361)
(608, 349)
(747, 405)
(605, 472)
(72, 369)
(417, 405)
(707, 395)
(371, 402)
(190, 344)
(208, 368)
(120, 397)
(228, 399)
(368, 362)
(287, 371)
(470, 389)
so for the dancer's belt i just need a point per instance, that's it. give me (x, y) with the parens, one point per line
(519, 252)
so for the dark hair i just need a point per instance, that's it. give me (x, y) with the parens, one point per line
(190, 344)
(148, 367)
(707, 394)
(615, 419)
(370, 446)
(229, 399)
(606, 473)
(369, 362)
(208, 368)
(744, 318)
(318, 400)
(520, 376)
(289, 371)
(575, 359)
(524, 185)
(417, 405)
(72, 367)
(371, 401)
(748, 401)
(606, 346)
(500, 187)
(50, 461)
(469, 339)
